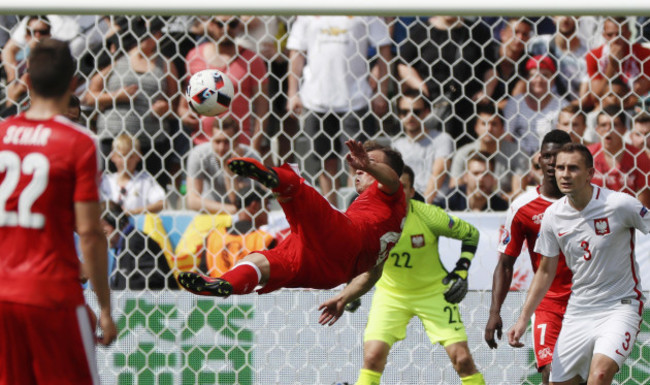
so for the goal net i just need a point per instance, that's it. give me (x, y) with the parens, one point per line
(482, 118)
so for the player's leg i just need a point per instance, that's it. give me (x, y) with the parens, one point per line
(616, 334)
(387, 320)
(602, 370)
(375, 355)
(463, 363)
(252, 270)
(573, 351)
(443, 324)
(547, 323)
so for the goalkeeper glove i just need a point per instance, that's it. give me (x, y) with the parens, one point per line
(353, 306)
(457, 281)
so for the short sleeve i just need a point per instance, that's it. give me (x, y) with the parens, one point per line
(633, 213)
(547, 244)
(297, 36)
(105, 189)
(444, 145)
(87, 175)
(513, 237)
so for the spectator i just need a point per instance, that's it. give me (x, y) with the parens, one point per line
(449, 60)
(135, 94)
(619, 166)
(139, 262)
(225, 247)
(210, 186)
(568, 52)
(573, 120)
(248, 74)
(618, 57)
(427, 152)
(511, 63)
(530, 115)
(617, 94)
(510, 164)
(477, 190)
(640, 135)
(328, 58)
(135, 191)
(14, 59)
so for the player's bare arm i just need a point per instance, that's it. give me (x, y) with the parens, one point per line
(333, 308)
(94, 248)
(538, 288)
(358, 159)
(500, 286)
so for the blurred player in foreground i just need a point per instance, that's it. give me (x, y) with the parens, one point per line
(326, 247)
(49, 173)
(415, 283)
(594, 228)
(522, 227)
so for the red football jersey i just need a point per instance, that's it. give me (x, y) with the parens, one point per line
(379, 217)
(523, 222)
(45, 167)
(629, 174)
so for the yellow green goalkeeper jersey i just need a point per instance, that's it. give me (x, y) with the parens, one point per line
(413, 265)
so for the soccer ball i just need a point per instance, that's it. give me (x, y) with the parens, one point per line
(209, 92)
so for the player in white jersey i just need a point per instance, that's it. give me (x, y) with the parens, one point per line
(594, 228)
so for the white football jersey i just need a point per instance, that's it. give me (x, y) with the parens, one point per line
(598, 243)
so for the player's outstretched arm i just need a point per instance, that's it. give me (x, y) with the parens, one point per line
(333, 308)
(358, 159)
(538, 288)
(500, 285)
(94, 248)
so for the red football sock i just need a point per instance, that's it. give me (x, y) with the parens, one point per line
(289, 181)
(243, 278)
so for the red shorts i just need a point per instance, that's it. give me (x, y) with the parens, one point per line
(547, 323)
(46, 346)
(321, 251)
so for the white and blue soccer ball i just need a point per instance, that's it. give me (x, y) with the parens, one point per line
(210, 92)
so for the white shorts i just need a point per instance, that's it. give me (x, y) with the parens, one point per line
(611, 333)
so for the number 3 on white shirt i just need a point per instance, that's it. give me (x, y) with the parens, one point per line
(34, 164)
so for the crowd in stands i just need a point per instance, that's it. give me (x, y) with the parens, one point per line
(466, 100)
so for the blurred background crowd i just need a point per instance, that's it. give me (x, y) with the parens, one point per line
(466, 100)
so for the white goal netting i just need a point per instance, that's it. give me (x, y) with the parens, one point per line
(481, 92)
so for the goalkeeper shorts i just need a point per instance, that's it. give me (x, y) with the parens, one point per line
(390, 314)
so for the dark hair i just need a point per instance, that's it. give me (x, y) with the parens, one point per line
(393, 158)
(113, 214)
(615, 112)
(581, 149)
(557, 137)
(490, 109)
(409, 172)
(483, 157)
(575, 111)
(51, 68)
(643, 117)
(415, 95)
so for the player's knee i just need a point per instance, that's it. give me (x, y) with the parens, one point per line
(464, 364)
(374, 360)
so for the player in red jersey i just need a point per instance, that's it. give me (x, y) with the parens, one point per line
(522, 226)
(326, 247)
(49, 188)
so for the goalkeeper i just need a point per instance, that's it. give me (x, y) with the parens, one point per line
(415, 283)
